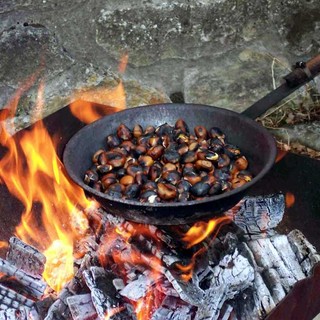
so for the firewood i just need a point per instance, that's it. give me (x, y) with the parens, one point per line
(11, 299)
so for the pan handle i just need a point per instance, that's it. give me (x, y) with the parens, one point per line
(302, 74)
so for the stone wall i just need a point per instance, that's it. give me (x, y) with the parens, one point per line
(226, 53)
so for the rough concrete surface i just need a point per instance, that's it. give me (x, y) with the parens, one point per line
(223, 53)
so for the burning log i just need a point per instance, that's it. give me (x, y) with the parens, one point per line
(33, 285)
(25, 257)
(105, 297)
(81, 307)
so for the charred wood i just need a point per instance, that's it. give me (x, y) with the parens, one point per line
(306, 253)
(25, 257)
(59, 310)
(81, 307)
(173, 309)
(15, 314)
(33, 285)
(233, 275)
(267, 257)
(105, 297)
(257, 216)
(12, 299)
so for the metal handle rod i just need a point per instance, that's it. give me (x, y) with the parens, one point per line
(302, 74)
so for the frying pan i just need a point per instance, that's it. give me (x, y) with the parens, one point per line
(255, 142)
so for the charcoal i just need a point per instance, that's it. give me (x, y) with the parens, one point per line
(14, 314)
(233, 275)
(267, 257)
(138, 288)
(33, 285)
(305, 252)
(105, 297)
(11, 299)
(42, 306)
(226, 312)
(59, 310)
(25, 257)
(173, 309)
(187, 291)
(81, 307)
(118, 284)
(258, 215)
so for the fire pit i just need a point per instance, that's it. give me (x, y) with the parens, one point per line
(242, 272)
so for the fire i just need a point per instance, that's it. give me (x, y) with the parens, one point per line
(88, 112)
(120, 249)
(34, 174)
(290, 199)
(113, 312)
(201, 230)
(4, 245)
(187, 270)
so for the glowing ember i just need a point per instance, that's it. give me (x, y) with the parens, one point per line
(118, 248)
(113, 312)
(290, 199)
(201, 230)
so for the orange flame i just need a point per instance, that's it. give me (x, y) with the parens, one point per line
(88, 112)
(4, 245)
(201, 230)
(290, 199)
(34, 174)
(188, 269)
(280, 155)
(126, 253)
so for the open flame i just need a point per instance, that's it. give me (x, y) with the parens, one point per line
(34, 174)
(115, 97)
(290, 199)
(201, 230)
(118, 249)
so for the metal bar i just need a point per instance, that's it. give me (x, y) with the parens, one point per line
(302, 74)
(271, 99)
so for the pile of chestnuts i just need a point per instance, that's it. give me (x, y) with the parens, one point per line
(167, 164)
